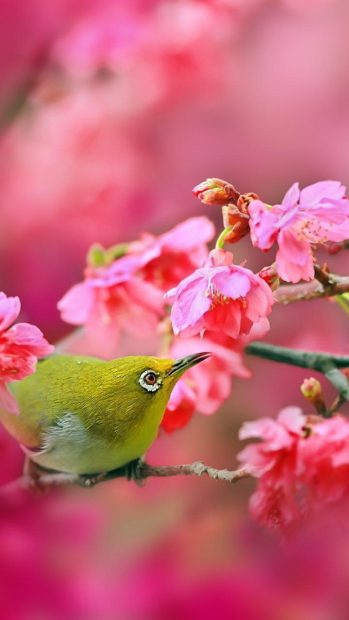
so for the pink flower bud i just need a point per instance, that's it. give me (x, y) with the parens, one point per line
(216, 192)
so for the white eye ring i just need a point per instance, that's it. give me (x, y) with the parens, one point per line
(150, 387)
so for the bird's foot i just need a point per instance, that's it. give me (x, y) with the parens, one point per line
(133, 471)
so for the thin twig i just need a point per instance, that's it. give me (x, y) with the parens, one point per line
(326, 363)
(144, 471)
(297, 357)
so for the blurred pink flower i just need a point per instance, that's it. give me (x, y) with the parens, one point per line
(113, 296)
(325, 461)
(20, 346)
(275, 462)
(220, 296)
(169, 258)
(317, 214)
(206, 388)
(302, 465)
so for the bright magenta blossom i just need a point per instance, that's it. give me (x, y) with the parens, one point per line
(128, 294)
(20, 347)
(302, 465)
(220, 296)
(325, 461)
(205, 387)
(317, 214)
(274, 461)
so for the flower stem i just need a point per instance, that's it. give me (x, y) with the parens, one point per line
(221, 239)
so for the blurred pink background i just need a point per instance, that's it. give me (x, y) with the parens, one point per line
(110, 113)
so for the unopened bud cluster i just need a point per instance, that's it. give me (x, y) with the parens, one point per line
(216, 192)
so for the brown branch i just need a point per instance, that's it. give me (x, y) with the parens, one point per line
(46, 480)
(329, 286)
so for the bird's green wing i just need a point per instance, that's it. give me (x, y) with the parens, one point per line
(58, 386)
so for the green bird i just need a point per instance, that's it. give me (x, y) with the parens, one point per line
(84, 416)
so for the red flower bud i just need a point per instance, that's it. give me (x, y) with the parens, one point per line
(244, 201)
(235, 220)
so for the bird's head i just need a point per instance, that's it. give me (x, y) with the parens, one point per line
(147, 382)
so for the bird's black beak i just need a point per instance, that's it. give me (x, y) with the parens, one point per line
(187, 362)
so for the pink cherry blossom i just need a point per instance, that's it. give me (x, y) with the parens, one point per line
(205, 387)
(315, 215)
(220, 296)
(128, 293)
(302, 465)
(275, 462)
(113, 297)
(20, 347)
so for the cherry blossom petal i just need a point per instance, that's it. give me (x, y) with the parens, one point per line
(318, 192)
(9, 310)
(231, 283)
(30, 337)
(76, 305)
(294, 261)
(292, 196)
(191, 303)
(188, 234)
(264, 225)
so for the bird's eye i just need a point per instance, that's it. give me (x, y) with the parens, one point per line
(150, 381)
(150, 378)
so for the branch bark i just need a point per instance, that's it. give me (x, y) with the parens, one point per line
(144, 470)
(290, 293)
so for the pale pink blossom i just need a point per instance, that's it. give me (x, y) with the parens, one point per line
(203, 388)
(315, 215)
(113, 297)
(220, 296)
(20, 347)
(275, 462)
